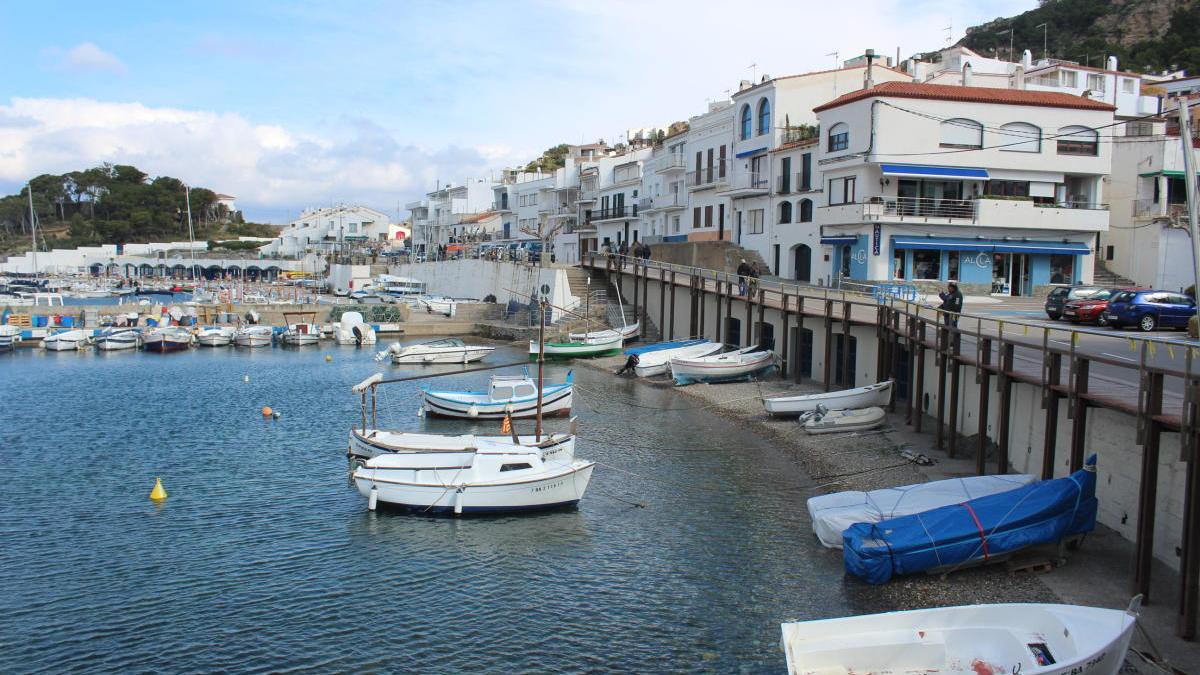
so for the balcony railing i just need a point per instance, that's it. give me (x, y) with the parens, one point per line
(672, 162)
(670, 200)
(751, 181)
(615, 213)
(498, 206)
(645, 203)
(783, 185)
(800, 185)
(1148, 208)
(707, 177)
(920, 207)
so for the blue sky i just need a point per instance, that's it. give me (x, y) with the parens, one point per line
(288, 105)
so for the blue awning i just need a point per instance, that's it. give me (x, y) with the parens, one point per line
(990, 245)
(840, 239)
(750, 153)
(920, 171)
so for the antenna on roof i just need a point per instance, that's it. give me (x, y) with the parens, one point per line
(1045, 39)
(753, 71)
(949, 33)
(835, 59)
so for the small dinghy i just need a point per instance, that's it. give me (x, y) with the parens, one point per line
(658, 362)
(514, 395)
(861, 397)
(742, 364)
(254, 336)
(606, 345)
(822, 421)
(448, 350)
(66, 341)
(215, 336)
(833, 513)
(1030, 639)
(113, 339)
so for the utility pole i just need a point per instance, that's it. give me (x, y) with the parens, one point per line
(33, 227)
(1189, 182)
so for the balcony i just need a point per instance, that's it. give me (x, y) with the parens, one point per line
(997, 213)
(667, 202)
(706, 178)
(1148, 208)
(500, 207)
(749, 184)
(564, 211)
(783, 185)
(617, 213)
(801, 185)
(672, 163)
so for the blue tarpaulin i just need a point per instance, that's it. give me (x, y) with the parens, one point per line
(977, 529)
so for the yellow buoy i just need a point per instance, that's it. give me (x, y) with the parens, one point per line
(266, 411)
(159, 493)
(328, 358)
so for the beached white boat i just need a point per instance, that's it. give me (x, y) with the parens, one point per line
(658, 362)
(833, 513)
(166, 339)
(840, 421)
(438, 305)
(627, 333)
(302, 329)
(448, 350)
(860, 397)
(606, 345)
(9, 337)
(744, 363)
(254, 336)
(493, 478)
(114, 339)
(65, 341)
(514, 395)
(215, 336)
(352, 330)
(1030, 639)
(365, 444)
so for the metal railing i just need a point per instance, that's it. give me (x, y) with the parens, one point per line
(920, 207)
(1149, 208)
(707, 176)
(801, 184)
(671, 162)
(612, 213)
(783, 185)
(750, 180)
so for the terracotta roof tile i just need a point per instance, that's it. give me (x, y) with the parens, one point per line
(946, 92)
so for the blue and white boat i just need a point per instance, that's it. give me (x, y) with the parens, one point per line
(659, 346)
(743, 364)
(514, 395)
(658, 361)
(113, 339)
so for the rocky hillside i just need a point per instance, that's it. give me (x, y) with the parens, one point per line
(1146, 35)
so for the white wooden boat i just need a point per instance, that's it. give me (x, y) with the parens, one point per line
(606, 345)
(514, 395)
(861, 397)
(365, 444)
(301, 334)
(833, 513)
(627, 333)
(840, 421)
(744, 363)
(215, 336)
(166, 339)
(254, 336)
(492, 478)
(9, 337)
(352, 330)
(1030, 639)
(114, 339)
(658, 362)
(448, 350)
(69, 340)
(436, 305)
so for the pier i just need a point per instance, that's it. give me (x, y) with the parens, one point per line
(1012, 395)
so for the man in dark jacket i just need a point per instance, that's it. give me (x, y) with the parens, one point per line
(952, 302)
(743, 270)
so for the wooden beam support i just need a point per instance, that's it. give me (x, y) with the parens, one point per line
(955, 375)
(1053, 375)
(784, 355)
(1149, 435)
(984, 377)
(828, 345)
(1079, 411)
(1005, 379)
(671, 325)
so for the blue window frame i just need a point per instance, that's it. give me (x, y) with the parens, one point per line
(746, 122)
(764, 117)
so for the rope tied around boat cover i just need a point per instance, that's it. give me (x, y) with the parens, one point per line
(978, 526)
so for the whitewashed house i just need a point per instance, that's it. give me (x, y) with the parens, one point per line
(663, 202)
(707, 153)
(436, 218)
(324, 229)
(1001, 190)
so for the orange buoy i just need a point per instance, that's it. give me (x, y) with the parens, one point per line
(266, 411)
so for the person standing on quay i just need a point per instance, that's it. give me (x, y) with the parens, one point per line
(743, 270)
(952, 303)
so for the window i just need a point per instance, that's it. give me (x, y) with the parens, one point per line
(721, 162)
(785, 213)
(708, 216)
(1062, 269)
(952, 266)
(1007, 188)
(1095, 81)
(352, 227)
(1077, 140)
(962, 133)
(785, 175)
(675, 224)
(898, 264)
(746, 122)
(755, 223)
(1020, 137)
(1069, 78)
(764, 117)
(515, 467)
(839, 137)
(1139, 128)
(806, 210)
(1128, 85)
(841, 191)
(696, 217)
(806, 171)
(926, 264)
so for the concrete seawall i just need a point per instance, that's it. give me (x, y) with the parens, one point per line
(507, 281)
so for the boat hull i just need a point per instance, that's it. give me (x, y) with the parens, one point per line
(164, 346)
(117, 341)
(431, 493)
(577, 350)
(841, 421)
(61, 345)
(861, 397)
(465, 355)
(556, 401)
(695, 371)
(253, 340)
(658, 362)
(457, 449)
(214, 340)
(300, 339)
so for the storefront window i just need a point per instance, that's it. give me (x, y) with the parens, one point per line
(898, 265)
(952, 266)
(1062, 269)
(1000, 274)
(926, 264)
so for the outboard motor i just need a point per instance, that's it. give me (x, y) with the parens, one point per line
(358, 335)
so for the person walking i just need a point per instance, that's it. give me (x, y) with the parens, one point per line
(743, 270)
(952, 303)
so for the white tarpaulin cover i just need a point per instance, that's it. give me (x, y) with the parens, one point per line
(833, 513)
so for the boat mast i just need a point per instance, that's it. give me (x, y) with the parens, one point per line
(541, 360)
(187, 196)
(33, 228)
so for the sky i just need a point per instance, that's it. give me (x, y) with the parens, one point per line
(287, 105)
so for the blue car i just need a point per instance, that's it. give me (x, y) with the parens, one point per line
(1150, 310)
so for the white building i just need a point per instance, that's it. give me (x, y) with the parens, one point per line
(323, 229)
(609, 189)
(706, 152)
(1001, 190)
(663, 201)
(1116, 87)
(435, 217)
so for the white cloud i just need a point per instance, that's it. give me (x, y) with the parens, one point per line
(88, 57)
(273, 171)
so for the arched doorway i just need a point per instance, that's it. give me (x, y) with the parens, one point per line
(802, 264)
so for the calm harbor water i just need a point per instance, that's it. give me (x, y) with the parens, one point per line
(265, 558)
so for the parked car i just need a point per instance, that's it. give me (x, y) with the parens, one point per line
(1091, 309)
(1149, 310)
(1060, 296)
